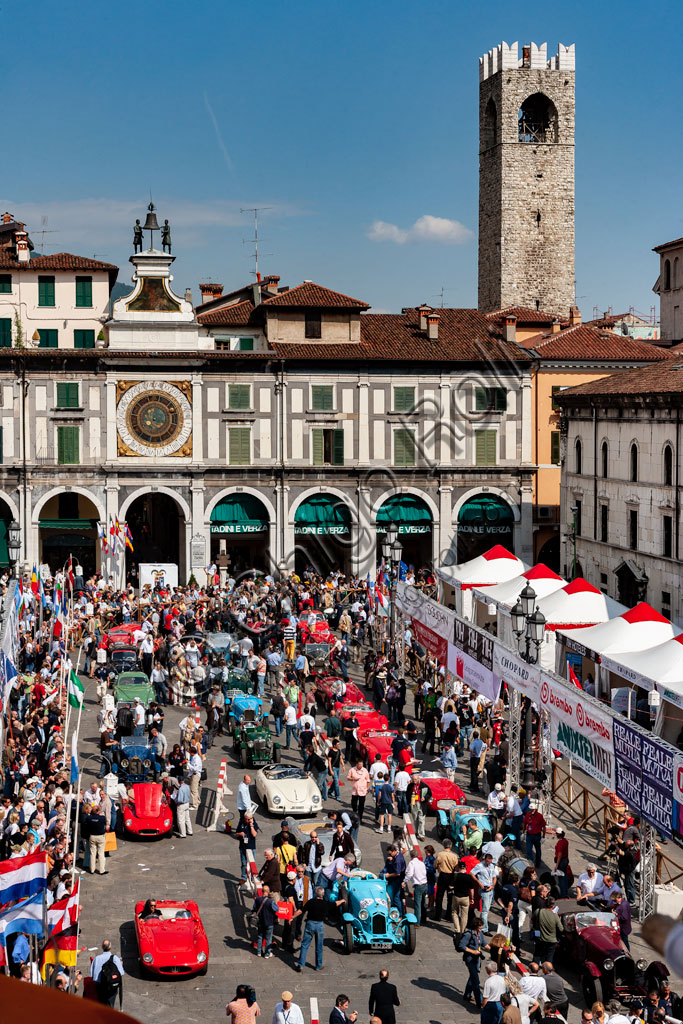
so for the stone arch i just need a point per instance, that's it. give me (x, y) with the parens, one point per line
(226, 492)
(538, 122)
(312, 492)
(417, 492)
(633, 461)
(489, 129)
(139, 492)
(498, 492)
(668, 463)
(12, 505)
(35, 511)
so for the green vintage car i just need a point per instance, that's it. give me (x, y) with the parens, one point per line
(253, 744)
(130, 685)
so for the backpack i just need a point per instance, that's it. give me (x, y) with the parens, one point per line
(110, 981)
(462, 942)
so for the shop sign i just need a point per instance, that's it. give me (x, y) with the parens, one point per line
(408, 528)
(239, 527)
(327, 528)
(482, 528)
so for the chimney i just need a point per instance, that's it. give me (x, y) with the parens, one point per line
(555, 329)
(423, 311)
(511, 328)
(211, 291)
(21, 243)
(7, 218)
(574, 316)
(271, 282)
(433, 326)
(188, 295)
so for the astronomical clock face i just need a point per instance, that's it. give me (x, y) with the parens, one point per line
(154, 419)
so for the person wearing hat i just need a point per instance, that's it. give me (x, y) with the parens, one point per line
(247, 830)
(287, 1012)
(289, 895)
(495, 802)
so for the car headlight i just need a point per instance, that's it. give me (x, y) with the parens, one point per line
(363, 915)
(608, 964)
(641, 964)
(277, 800)
(241, 719)
(125, 762)
(147, 763)
(201, 958)
(316, 799)
(167, 822)
(147, 958)
(394, 915)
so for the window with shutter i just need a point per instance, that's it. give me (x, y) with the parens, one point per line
(490, 399)
(555, 390)
(5, 332)
(5, 283)
(485, 448)
(322, 397)
(318, 438)
(239, 447)
(555, 447)
(500, 399)
(84, 339)
(404, 447)
(245, 344)
(239, 396)
(84, 291)
(313, 325)
(67, 396)
(49, 337)
(404, 399)
(68, 446)
(46, 291)
(338, 447)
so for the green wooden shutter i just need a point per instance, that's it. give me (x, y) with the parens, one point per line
(246, 344)
(238, 396)
(46, 291)
(501, 402)
(481, 402)
(404, 399)
(555, 447)
(239, 453)
(5, 282)
(318, 447)
(84, 291)
(485, 447)
(338, 448)
(84, 339)
(322, 397)
(67, 396)
(67, 446)
(5, 332)
(49, 337)
(404, 447)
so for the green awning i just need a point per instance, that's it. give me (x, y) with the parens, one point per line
(485, 514)
(322, 514)
(68, 524)
(408, 512)
(239, 513)
(4, 550)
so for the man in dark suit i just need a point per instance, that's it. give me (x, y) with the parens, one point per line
(338, 1015)
(383, 999)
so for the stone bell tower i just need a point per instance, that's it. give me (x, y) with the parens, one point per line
(526, 178)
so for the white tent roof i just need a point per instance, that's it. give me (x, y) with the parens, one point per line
(658, 666)
(543, 580)
(578, 604)
(636, 630)
(495, 566)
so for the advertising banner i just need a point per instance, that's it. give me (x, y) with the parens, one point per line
(473, 673)
(579, 729)
(658, 783)
(514, 671)
(628, 761)
(431, 640)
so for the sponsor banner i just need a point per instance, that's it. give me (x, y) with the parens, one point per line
(628, 760)
(430, 613)
(658, 781)
(328, 528)
(573, 645)
(634, 678)
(579, 729)
(474, 643)
(678, 778)
(513, 670)
(671, 695)
(431, 640)
(476, 675)
(585, 753)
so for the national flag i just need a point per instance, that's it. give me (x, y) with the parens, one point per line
(118, 526)
(402, 570)
(71, 572)
(76, 690)
(41, 591)
(369, 588)
(35, 580)
(74, 758)
(63, 913)
(22, 876)
(61, 949)
(26, 916)
(572, 677)
(101, 529)
(129, 538)
(8, 678)
(112, 536)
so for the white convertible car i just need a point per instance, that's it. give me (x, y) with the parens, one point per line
(285, 789)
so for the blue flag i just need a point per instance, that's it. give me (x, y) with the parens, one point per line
(402, 570)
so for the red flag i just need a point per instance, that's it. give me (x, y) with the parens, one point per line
(572, 676)
(71, 572)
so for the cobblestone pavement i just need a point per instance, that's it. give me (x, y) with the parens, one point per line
(205, 868)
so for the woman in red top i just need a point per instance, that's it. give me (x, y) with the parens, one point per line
(562, 861)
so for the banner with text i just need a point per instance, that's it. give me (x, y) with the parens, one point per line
(579, 729)
(646, 776)
(513, 670)
(431, 614)
(628, 764)
(470, 658)
(432, 641)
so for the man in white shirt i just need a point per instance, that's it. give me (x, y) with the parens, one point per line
(533, 984)
(244, 795)
(495, 848)
(290, 722)
(496, 804)
(246, 645)
(378, 766)
(494, 986)
(191, 654)
(401, 783)
(485, 873)
(195, 770)
(138, 718)
(287, 1012)
(416, 873)
(589, 882)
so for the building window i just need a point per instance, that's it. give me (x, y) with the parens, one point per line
(578, 451)
(579, 510)
(245, 344)
(68, 444)
(490, 399)
(633, 529)
(84, 291)
(668, 465)
(404, 447)
(313, 327)
(604, 459)
(667, 275)
(634, 463)
(666, 603)
(239, 396)
(5, 332)
(404, 399)
(328, 447)
(239, 446)
(46, 291)
(322, 397)
(555, 447)
(603, 582)
(485, 447)
(67, 396)
(49, 337)
(555, 390)
(84, 339)
(604, 523)
(5, 283)
(667, 536)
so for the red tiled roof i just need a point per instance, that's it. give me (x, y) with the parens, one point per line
(310, 294)
(58, 261)
(524, 314)
(668, 245)
(237, 315)
(583, 342)
(662, 377)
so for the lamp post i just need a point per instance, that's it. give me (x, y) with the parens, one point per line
(574, 511)
(392, 550)
(528, 626)
(13, 544)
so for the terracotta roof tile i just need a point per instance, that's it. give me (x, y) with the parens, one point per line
(662, 377)
(584, 342)
(310, 294)
(58, 261)
(524, 314)
(668, 245)
(238, 315)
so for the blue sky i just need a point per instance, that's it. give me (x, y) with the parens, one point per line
(335, 115)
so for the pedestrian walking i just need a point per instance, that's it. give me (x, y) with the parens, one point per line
(416, 874)
(339, 1015)
(622, 911)
(110, 981)
(359, 777)
(534, 826)
(385, 802)
(314, 918)
(383, 999)
(335, 763)
(243, 1009)
(195, 771)
(247, 830)
(445, 864)
(286, 1011)
(182, 804)
(472, 947)
(265, 911)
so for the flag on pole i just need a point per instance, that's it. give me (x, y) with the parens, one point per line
(26, 916)
(71, 572)
(572, 676)
(75, 690)
(102, 531)
(34, 581)
(23, 876)
(74, 758)
(41, 591)
(129, 538)
(112, 536)
(62, 926)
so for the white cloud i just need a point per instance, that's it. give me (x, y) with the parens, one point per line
(425, 229)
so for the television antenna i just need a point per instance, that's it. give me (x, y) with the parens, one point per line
(44, 230)
(254, 255)
(440, 296)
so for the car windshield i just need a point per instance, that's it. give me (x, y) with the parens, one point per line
(372, 734)
(132, 678)
(605, 920)
(283, 771)
(132, 741)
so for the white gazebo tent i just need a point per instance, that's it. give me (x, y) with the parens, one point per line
(659, 668)
(636, 630)
(575, 606)
(458, 581)
(498, 600)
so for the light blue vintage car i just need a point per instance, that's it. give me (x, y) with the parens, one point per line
(370, 920)
(242, 707)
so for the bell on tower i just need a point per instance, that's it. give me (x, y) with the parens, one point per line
(151, 224)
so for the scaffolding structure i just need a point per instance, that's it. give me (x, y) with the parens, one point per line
(515, 712)
(648, 870)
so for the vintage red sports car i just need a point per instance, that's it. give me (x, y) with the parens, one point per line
(374, 741)
(367, 717)
(315, 629)
(119, 634)
(171, 939)
(441, 789)
(148, 813)
(330, 689)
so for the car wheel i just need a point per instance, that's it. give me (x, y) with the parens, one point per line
(348, 937)
(243, 757)
(592, 989)
(409, 938)
(277, 753)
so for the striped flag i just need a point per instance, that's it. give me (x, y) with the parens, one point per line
(76, 690)
(129, 538)
(34, 581)
(22, 876)
(74, 758)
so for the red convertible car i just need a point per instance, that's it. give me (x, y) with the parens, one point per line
(375, 741)
(119, 634)
(367, 717)
(315, 629)
(148, 813)
(441, 789)
(171, 937)
(328, 690)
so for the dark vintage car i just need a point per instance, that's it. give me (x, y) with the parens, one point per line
(135, 761)
(591, 940)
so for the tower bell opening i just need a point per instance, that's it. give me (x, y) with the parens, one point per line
(537, 119)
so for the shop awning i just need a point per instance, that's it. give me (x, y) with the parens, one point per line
(322, 514)
(67, 524)
(485, 514)
(408, 512)
(239, 513)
